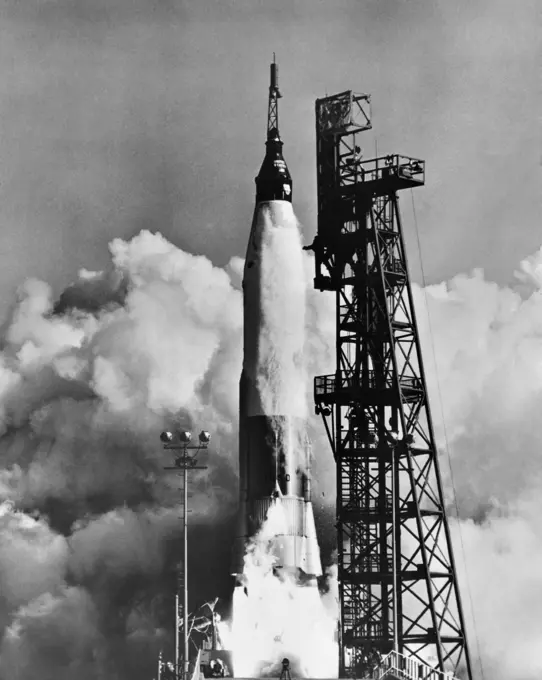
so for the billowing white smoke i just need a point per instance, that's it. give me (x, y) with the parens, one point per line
(84, 391)
(59, 630)
(85, 388)
(488, 350)
(275, 618)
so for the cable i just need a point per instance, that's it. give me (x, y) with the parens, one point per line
(376, 134)
(447, 445)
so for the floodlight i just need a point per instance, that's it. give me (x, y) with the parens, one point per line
(204, 437)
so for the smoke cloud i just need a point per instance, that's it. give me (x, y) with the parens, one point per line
(89, 526)
(90, 521)
(487, 347)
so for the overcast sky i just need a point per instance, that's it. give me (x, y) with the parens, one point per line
(123, 114)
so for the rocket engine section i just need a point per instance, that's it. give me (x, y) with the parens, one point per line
(274, 451)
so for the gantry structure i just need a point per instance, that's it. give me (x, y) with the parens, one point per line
(397, 579)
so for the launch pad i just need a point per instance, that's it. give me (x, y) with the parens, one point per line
(393, 666)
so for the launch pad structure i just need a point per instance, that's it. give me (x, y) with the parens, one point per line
(398, 587)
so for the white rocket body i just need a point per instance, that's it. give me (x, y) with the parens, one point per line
(274, 451)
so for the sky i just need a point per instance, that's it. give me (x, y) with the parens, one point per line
(119, 115)
(122, 119)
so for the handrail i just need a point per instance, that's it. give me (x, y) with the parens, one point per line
(408, 668)
(328, 384)
(353, 169)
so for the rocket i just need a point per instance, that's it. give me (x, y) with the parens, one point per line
(274, 450)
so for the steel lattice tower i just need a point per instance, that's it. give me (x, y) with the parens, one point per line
(397, 579)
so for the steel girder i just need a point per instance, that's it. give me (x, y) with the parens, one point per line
(397, 580)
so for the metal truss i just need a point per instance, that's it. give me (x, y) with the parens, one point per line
(273, 111)
(274, 96)
(343, 114)
(397, 581)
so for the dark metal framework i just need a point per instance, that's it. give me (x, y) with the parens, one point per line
(273, 111)
(397, 579)
(274, 96)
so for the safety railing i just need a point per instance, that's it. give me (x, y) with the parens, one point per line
(402, 667)
(370, 506)
(354, 169)
(325, 385)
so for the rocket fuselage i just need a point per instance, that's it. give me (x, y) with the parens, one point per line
(274, 452)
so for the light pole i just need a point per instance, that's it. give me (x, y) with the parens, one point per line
(180, 441)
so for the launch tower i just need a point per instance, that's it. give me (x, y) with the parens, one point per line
(397, 578)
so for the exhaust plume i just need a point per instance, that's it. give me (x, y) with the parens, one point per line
(274, 617)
